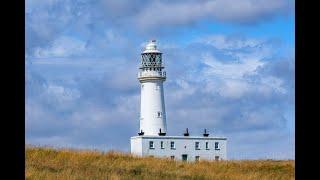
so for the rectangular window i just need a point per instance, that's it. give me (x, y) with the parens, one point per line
(151, 145)
(207, 145)
(159, 114)
(197, 158)
(216, 158)
(197, 145)
(172, 146)
(216, 146)
(184, 157)
(161, 145)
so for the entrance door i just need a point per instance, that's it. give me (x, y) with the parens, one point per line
(184, 157)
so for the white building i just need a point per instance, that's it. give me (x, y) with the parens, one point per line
(152, 139)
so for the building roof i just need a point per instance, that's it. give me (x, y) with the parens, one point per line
(180, 137)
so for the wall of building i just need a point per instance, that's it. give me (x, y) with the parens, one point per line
(152, 103)
(183, 145)
(136, 147)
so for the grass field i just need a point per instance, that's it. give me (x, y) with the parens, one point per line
(49, 163)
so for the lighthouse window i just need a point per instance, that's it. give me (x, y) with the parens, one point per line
(151, 145)
(172, 146)
(161, 145)
(153, 58)
(158, 58)
(207, 146)
(216, 146)
(159, 114)
(197, 145)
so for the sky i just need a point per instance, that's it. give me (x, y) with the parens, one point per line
(230, 69)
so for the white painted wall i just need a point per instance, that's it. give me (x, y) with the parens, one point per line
(152, 102)
(151, 77)
(183, 145)
(135, 146)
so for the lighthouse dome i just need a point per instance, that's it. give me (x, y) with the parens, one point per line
(151, 47)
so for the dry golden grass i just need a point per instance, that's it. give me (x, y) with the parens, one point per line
(49, 163)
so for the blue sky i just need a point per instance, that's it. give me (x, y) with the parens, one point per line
(230, 68)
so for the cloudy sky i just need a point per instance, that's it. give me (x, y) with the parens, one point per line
(230, 69)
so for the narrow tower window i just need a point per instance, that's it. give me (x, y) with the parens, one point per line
(197, 145)
(207, 145)
(172, 146)
(159, 114)
(151, 145)
(216, 146)
(161, 145)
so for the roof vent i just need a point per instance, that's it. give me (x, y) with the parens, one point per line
(161, 133)
(205, 134)
(141, 133)
(186, 133)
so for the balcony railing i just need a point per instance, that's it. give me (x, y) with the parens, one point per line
(161, 74)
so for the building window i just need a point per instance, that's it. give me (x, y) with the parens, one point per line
(197, 158)
(172, 157)
(207, 145)
(159, 114)
(197, 145)
(216, 146)
(184, 157)
(151, 145)
(216, 158)
(161, 145)
(172, 146)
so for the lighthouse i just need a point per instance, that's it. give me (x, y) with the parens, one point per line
(153, 138)
(151, 77)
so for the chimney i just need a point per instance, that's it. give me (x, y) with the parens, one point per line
(205, 134)
(186, 133)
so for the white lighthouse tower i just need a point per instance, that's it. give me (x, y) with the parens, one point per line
(152, 139)
(151, 77)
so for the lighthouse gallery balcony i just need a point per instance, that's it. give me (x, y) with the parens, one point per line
(149, 75)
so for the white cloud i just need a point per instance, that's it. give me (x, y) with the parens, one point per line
(234, 88)
(275, 83)
(185, 12)
(64, 46)
(62, 94)
(223, 42)
(233, 69)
